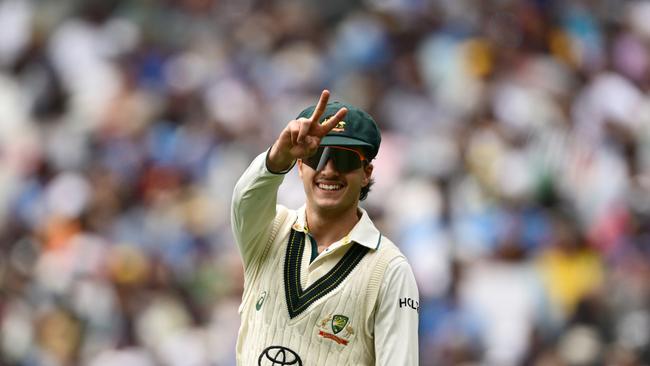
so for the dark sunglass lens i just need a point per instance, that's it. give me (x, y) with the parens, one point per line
(313, 160)
(346, 160)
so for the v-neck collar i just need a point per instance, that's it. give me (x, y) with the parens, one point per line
(299, 299)
(364, 232)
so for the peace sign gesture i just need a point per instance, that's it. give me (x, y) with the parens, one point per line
(301, 137)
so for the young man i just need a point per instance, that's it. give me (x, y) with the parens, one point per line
(322, 285)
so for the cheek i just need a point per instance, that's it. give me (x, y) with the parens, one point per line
(358, 181)
(306, 180)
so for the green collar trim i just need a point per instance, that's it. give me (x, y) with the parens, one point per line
(298, 299)
(314, 248)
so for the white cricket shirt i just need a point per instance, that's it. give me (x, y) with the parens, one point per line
(349, 318)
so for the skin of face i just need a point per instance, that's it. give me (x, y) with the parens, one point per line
(333, 203)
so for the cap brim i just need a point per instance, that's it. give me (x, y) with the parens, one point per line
(343, 141)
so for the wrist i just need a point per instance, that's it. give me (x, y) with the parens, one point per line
(278, 163)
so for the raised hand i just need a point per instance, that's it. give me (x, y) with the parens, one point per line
(302, 136)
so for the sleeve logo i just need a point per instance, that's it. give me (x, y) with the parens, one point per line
(407, 302)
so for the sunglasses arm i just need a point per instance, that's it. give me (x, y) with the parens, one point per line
(323, 159)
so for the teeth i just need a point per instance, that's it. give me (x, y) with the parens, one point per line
(329, 187)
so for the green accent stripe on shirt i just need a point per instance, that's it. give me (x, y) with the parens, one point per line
(314, 248)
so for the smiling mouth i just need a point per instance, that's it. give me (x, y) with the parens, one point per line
(329, 187)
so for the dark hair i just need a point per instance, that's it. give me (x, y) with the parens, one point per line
(365, 190)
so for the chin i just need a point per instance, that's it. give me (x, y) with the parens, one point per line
(339, 204)
(328, 205)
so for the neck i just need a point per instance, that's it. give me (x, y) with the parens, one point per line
(328, 228)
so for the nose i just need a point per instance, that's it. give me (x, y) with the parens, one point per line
(329, 167)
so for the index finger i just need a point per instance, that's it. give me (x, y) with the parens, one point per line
(320, 107)
(331, 122)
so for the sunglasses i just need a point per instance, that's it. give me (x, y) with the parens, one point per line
(345, 159)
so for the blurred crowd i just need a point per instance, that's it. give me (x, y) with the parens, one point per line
(514, 171)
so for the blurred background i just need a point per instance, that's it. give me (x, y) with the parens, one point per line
(514, 171)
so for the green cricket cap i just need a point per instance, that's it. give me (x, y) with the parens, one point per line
(357, 128)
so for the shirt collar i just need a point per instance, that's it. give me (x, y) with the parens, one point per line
(364, 232)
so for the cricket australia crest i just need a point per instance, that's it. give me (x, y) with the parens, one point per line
(340, 127)
(336, 328)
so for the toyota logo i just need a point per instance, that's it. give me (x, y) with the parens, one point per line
(277, 356)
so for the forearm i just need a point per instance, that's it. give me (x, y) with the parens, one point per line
(254, 205)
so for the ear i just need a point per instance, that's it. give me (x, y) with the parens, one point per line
(367, 174)
(299, 162)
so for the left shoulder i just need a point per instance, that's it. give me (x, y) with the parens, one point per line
(388, 261)
(397, 267)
